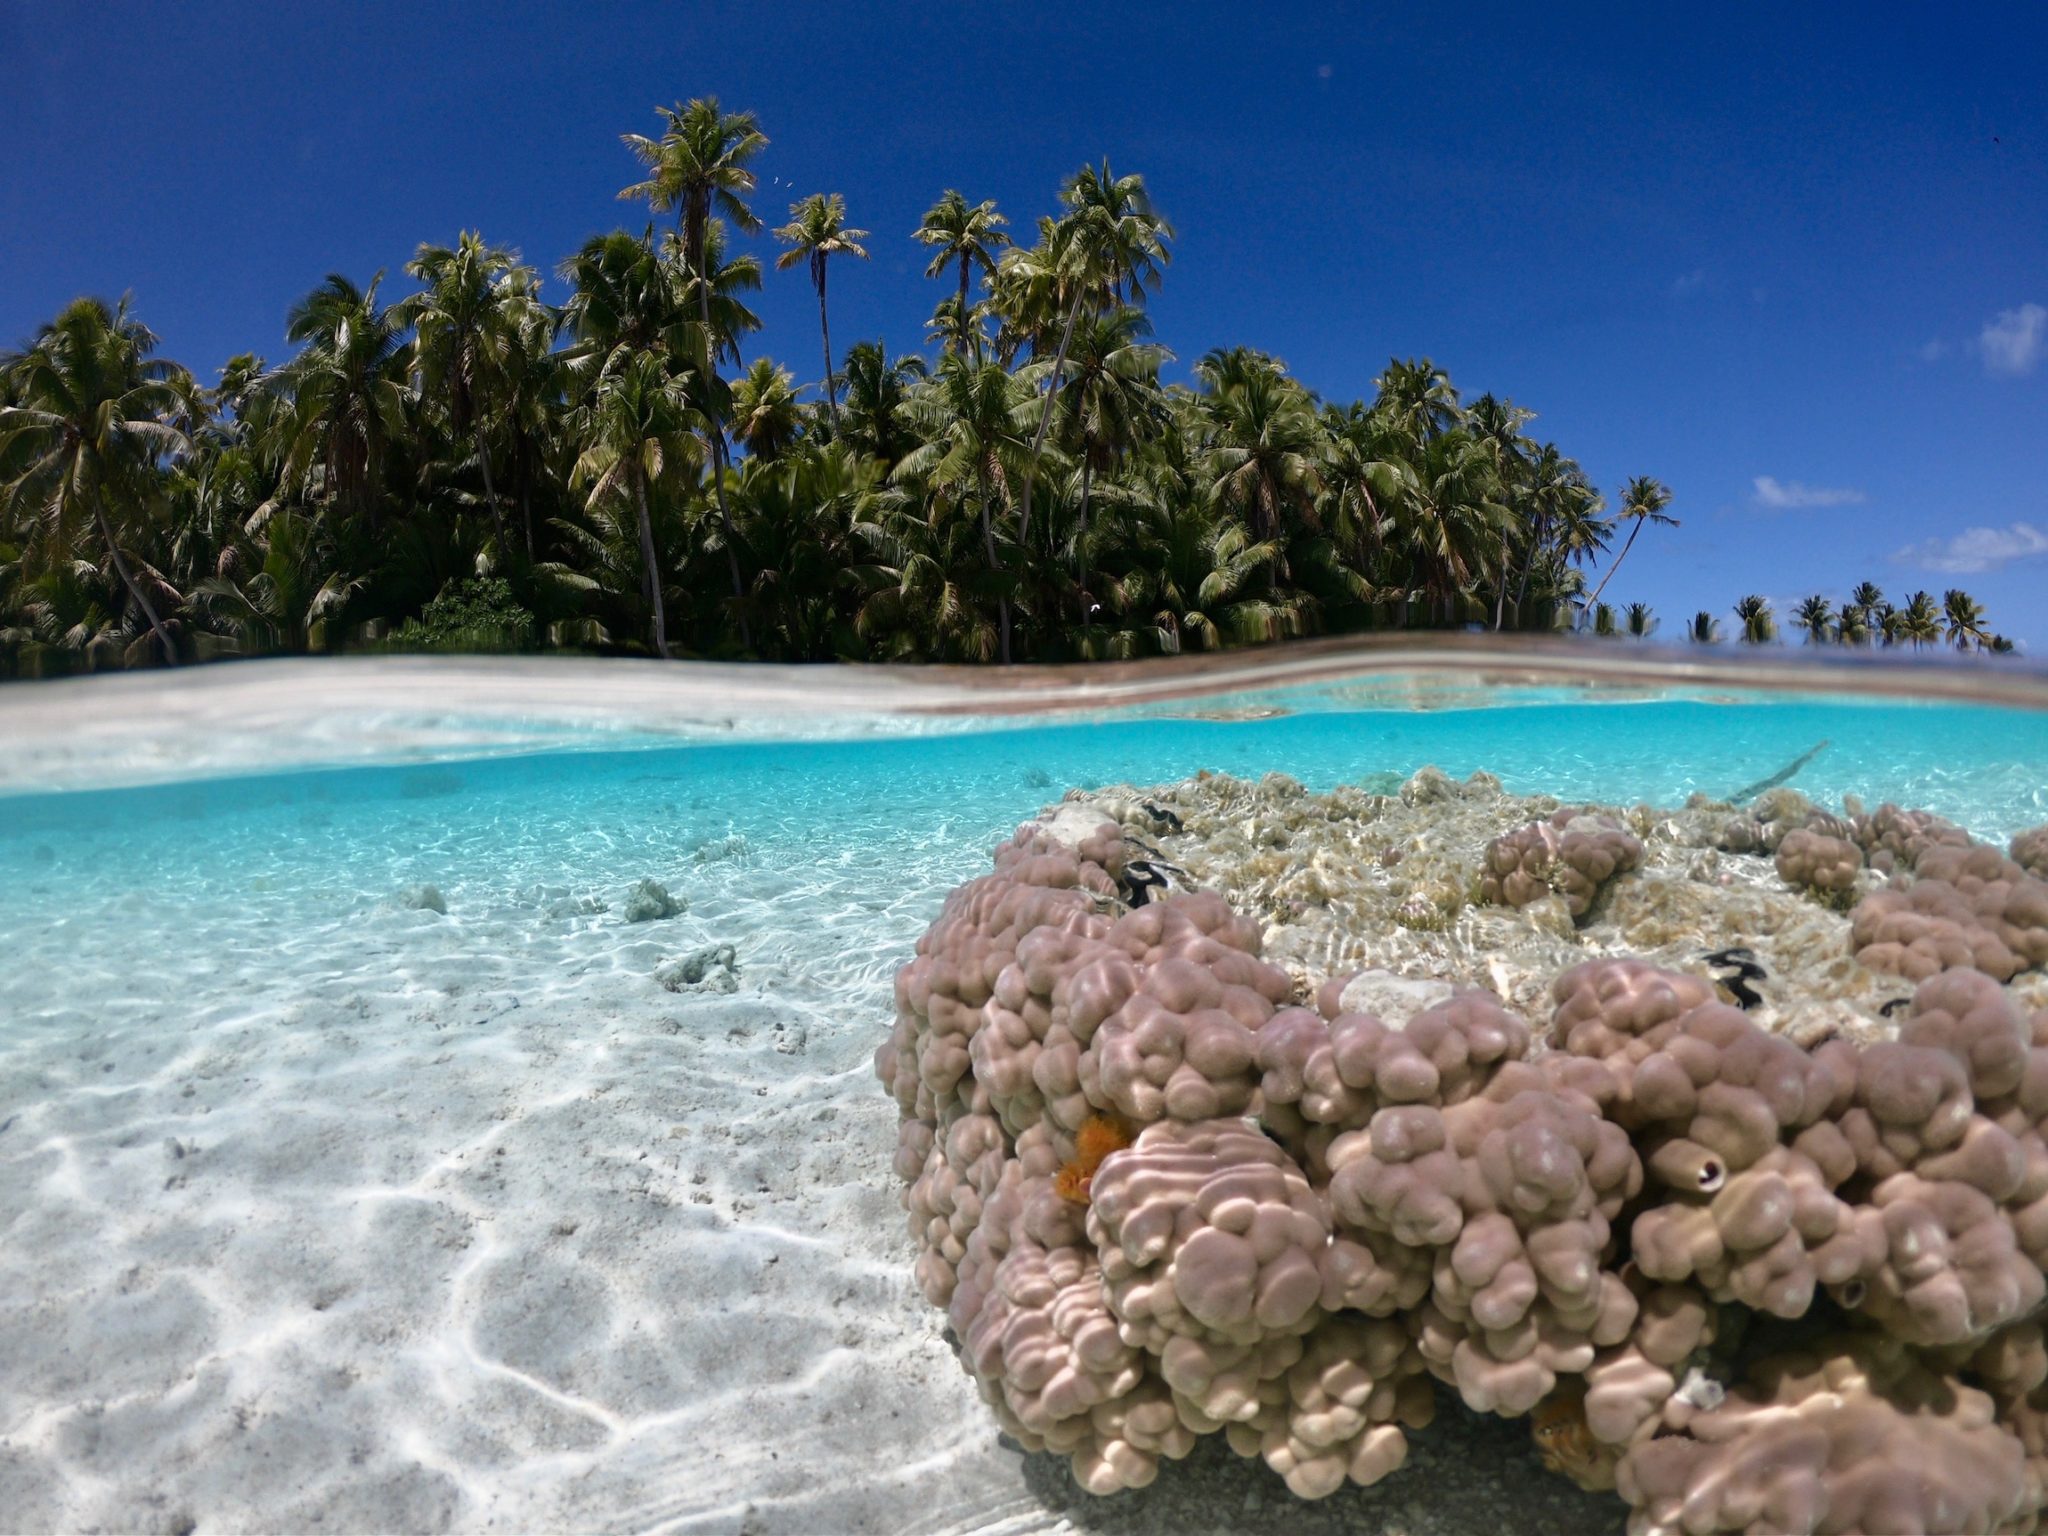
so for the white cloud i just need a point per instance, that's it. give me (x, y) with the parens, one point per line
(1773, 492)
(1976, 549)
(2014, 342)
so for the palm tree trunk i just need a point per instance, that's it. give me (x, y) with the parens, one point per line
(825, 330)
(963, 310)
(1528, 565)
(988, 541)
(647, 559)
(1059, 363)
(156, 625)
(1500, 596)
(1594, 601)
(1081, 544)
(717, 434)
(525, 499)
(483, 459)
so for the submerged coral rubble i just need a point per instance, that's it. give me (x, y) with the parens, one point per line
(1175, 1167)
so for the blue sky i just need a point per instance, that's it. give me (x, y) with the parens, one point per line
(1792, 260)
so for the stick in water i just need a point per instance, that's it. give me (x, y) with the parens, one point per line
(1781, 776)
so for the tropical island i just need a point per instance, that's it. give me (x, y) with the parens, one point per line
(471, 467)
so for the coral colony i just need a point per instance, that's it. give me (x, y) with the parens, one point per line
(1775, 1267)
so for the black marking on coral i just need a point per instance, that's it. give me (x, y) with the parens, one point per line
(1141, 879)
(1893, 1006)
(1159, 813)
(1739, 961)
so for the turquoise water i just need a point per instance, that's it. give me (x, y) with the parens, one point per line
(312, 1200)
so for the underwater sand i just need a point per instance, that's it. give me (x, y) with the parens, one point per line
(318, 1210)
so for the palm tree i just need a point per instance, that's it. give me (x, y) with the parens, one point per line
(876, 390)
(465, 328)
(968, 237)
(1450, 517)
(1113, 244)
(1863, 613)
(623, 299)
(971, 417)
(292, 590)
(815, 233)
(1417, 398)
(94, 419)
(347, 393)
(1188, 579)
(1644, 500)
(637, 427)
(727, 280)
(1113, 404)
(1562, 510)
(698, 165)
(765, 412)
(1759, 624)
(1816, 616)
(1497, 426)
(1641, 622)
(1705, 629)
(1263, 465)
(1964, 617)
(1920, 621)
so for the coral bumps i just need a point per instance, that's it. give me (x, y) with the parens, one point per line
(1751, 1285)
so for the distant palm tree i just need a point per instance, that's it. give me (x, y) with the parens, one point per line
(1816, 616)
(465, 329)
(347, 392)
(1113, 404)
(1263, 463)
(968, 236)
(971, 418)
(1704, 630)
(1919, 623)
(1644, 500)
(1862, 615)
(1641, 622)
(1964, 617)
(1114, 243)
(94, 416)
(876, 391)
(1604, 624)
(816, 232)
(1759, 624)
(1417, 397)
(638, 425)
(698, 165)
(765, 411)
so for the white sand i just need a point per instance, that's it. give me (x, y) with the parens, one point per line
(322, 1212)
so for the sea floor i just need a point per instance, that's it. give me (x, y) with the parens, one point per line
(322, 1208)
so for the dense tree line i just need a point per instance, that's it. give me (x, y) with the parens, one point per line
(474, 467)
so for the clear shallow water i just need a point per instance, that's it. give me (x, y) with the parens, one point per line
(315, 1204)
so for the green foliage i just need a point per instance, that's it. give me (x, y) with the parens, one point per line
(472, 467)
(477, 614)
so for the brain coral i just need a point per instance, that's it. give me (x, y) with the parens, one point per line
(1816, 862)
(1967, 907)
(1574, 853)
(2029, 850)
(1629, 1221)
